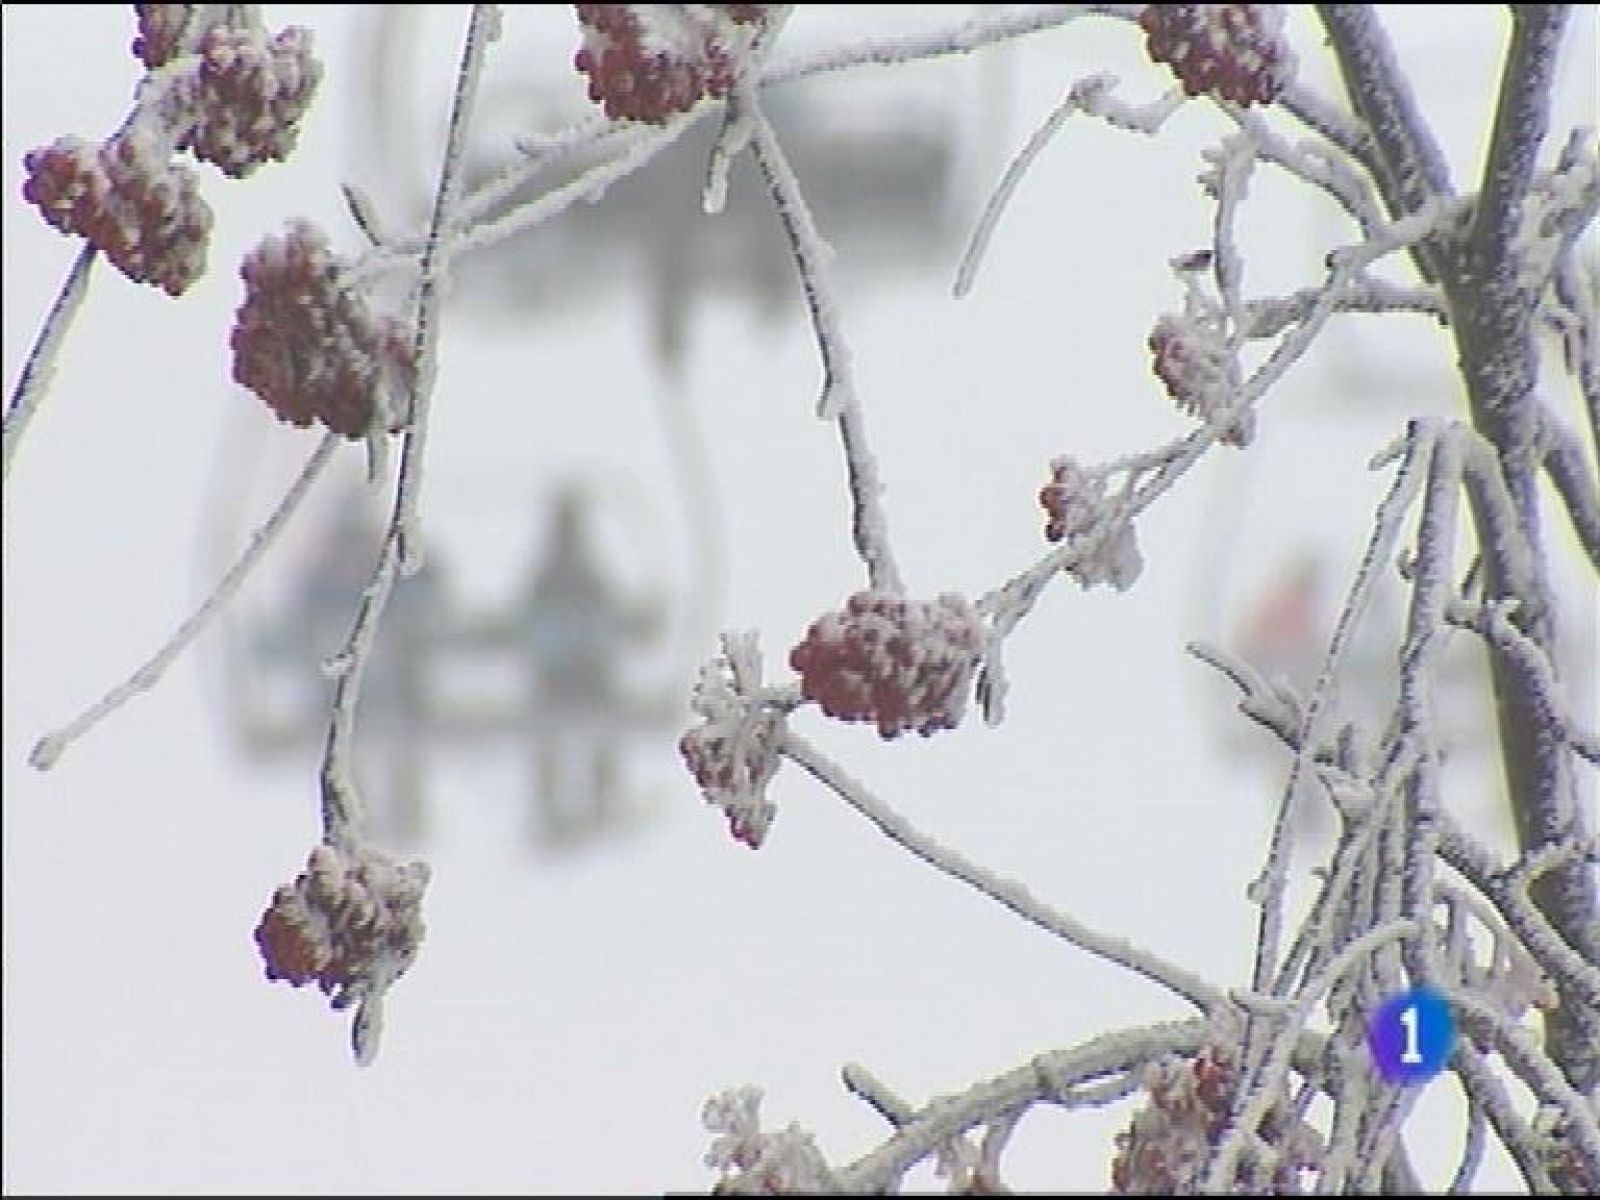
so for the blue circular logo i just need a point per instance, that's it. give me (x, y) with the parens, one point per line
(1411, 1036)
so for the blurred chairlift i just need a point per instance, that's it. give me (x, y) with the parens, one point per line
(569, 631)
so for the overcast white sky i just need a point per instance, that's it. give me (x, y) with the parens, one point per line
(569, 1014)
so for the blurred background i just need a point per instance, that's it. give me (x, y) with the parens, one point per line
(624, 460)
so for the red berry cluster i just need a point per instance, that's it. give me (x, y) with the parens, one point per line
(1192, 360)
(1163, 1152)
(904, 664)
(350, 920)
(247, 96)
(1227, 51)
(646, 62)
(236, 103)
(143, 211)
(306, 342)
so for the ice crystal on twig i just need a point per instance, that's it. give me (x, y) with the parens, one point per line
(308, 345)
(1227, 51)
(733, 753)
(1074, 503)
(1192, 358)
(904, 664)
(140, 209)
(758, 1163)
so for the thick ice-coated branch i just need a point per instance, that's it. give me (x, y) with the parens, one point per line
(1579, 976)
(41, 365)
(1576, 286)
(838, 401)
(1011, 895)
(1492, 623)
(1043, 1078)
(1488, 1090)
(1520, 1048)
(1538, 763)
(1270, 315)
(1521, 120)
(51, 747)
(1411, 169)
(1564, 462)
(1321, 168)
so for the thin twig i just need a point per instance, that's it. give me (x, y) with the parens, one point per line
(50, 748)
(1014, 896)
(838, 401)
(40, 367)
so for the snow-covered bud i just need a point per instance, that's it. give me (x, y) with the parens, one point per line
(143, 211)
(247, 95)
(1228, 51)
(308, 345)
(351, 923)
(904, 664)
(1074, 502)
(1191, 356)
(753, 1163)
(646, 62)
(733, 753)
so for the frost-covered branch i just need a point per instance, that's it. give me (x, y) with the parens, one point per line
(1269, 886)
(50, 747)
(1046, 1078)
(986, 28)
(1410, 169)
(37, 371)
(1521, 120)
(1010, 894)
(1574, 481)
(1092, 95)
(838, 401)
(483, 28)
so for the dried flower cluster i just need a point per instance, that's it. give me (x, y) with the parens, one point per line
(646, 62)
(1228, 51)
(754, 1163)
(351, 923)
(904, 664)
(1192, 359)
(1164, 1150)
(734, 753)
(1074, 502)
(307, 343)
(143, 211)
